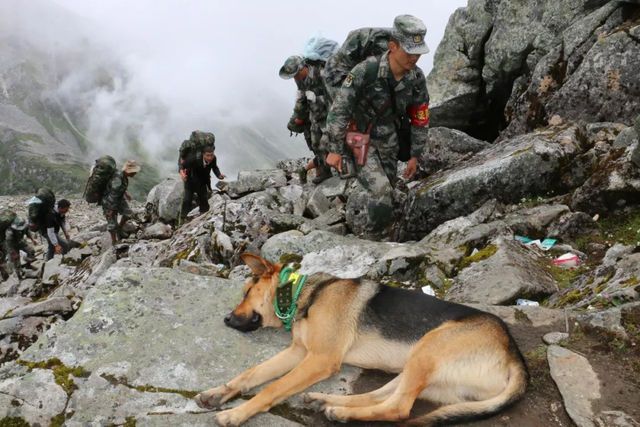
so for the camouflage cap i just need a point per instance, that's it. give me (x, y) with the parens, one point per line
(292, 66)
(410, 32)
(19, 224)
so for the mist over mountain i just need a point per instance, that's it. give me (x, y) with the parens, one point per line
(66, 97)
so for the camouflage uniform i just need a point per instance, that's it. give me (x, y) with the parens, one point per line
(318, 103)
(114, 200)
(362, 97)
(14, 242)
(311, 108)
(299, 121)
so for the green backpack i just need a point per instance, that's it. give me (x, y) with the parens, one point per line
(191, 148)
(101, 173)
(358, 46)
(6, 218)
(39, 207)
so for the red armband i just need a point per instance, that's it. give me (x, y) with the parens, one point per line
(419, 114)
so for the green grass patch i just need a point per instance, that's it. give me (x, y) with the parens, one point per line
(113, 380)
(564, 277)
(61, 373)
(486, 253)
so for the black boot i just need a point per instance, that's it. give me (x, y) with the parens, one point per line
(302, 174)
(325, 173)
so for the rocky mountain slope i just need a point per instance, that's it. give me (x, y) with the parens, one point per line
(126, 335)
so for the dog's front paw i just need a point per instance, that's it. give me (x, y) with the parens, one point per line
(335, 413)
(213, 398)
(314, 401)
(228, 418)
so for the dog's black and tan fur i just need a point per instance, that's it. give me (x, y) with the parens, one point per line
(447, 353)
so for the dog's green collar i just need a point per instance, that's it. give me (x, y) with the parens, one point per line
(286, 300)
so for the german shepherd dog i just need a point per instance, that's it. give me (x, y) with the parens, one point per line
(447, 353)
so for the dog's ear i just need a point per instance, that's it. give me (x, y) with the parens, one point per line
(258, 265)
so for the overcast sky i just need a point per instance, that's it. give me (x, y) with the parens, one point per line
(201, 57)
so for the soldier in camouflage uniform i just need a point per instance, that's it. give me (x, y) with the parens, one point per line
(310, 111)
(113, 201)
(365, 97)
(14, 242)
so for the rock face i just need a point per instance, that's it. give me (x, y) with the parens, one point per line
(504, 64)
(511, 271)
(577, 382)
(121, 354)
(521, 167)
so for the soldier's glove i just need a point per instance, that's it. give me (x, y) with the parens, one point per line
(296, 126)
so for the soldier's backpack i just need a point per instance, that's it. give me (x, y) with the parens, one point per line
(6, 218)
(39, 207)
(191, 148)
(318, 48)
(358, 46)
(102, 171)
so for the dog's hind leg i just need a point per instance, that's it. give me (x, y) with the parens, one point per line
(275, 367)
(374, 397)
(395, 407)
(416, 375)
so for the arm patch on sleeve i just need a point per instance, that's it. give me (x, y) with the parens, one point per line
(419, 114)
(348, 80)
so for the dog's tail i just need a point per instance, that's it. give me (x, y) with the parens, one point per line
(458, 412)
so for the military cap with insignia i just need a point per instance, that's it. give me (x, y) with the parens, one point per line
(409, 31)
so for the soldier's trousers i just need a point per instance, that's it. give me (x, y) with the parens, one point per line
(112, 221)
(313, 138)
(370, 201)
(21, 246)
(51, 249)
(200, 189)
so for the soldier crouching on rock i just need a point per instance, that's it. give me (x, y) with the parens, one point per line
(196, 175)
(14, 243)
(114, 203)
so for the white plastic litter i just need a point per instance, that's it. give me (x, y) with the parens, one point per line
(567, 260)
(521, 301)
(428, 290)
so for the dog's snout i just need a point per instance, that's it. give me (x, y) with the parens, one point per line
(227, 319)
(243, 323)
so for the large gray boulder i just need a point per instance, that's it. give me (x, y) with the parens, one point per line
(448, 147)
(144, 342)
(576, 381)
(164, 201)
(342, 256)
(509, 271)
(253, 181)
(522, 167)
